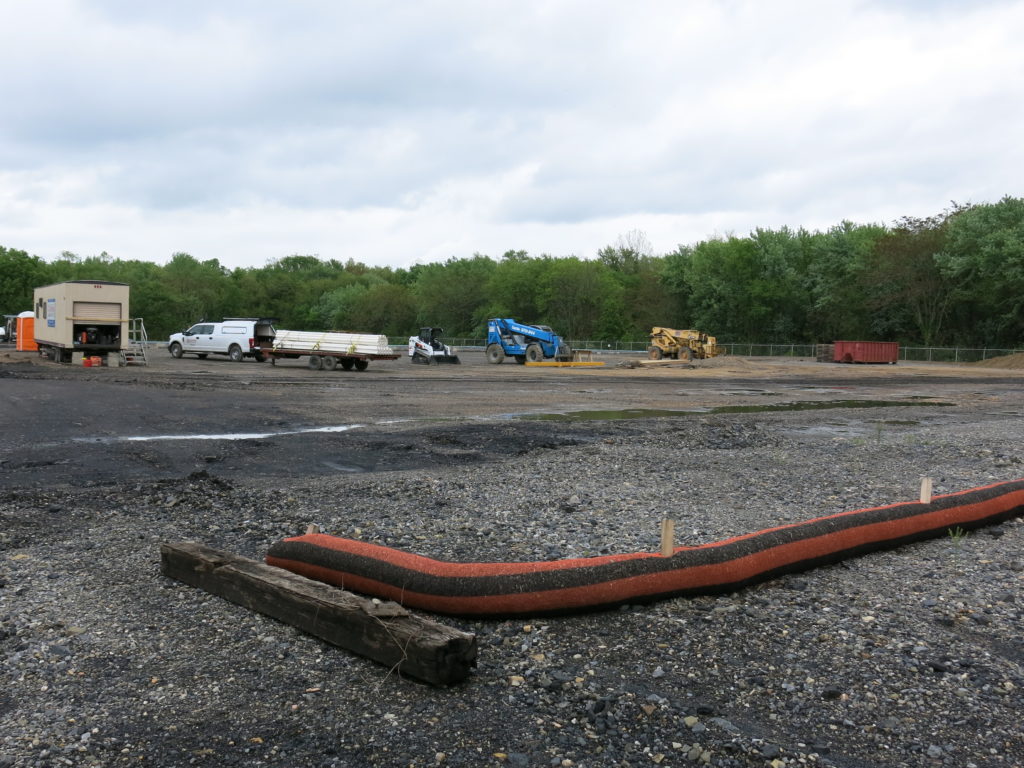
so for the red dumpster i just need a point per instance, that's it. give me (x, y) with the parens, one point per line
(866, 352)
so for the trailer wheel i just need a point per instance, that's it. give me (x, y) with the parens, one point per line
(346, 363)
(329, 362)
(175, 350)
(495, 354)
(315, 362)
(361, 365)
(534, 354)
(235, 353)
(654, 353)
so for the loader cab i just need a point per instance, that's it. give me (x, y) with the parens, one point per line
(432, 336)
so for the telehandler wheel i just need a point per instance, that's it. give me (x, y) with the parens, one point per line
(329, 363)
(685, 353)
(315, 362)
(495, 354)
(654, 353)
(534, 354)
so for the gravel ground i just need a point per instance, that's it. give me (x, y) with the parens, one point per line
(911, 657)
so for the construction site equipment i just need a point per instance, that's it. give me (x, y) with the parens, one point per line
(10, 328)
(860, 352)
(135, 352)
(236, 337)
(328, 351)
(681, 345)
(87, 316)
(524, 343)
(428, 347)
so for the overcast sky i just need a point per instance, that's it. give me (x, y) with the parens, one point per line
(401, 132)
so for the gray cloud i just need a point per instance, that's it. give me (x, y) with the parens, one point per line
(554, 123)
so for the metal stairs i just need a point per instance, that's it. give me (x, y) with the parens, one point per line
(135, 352)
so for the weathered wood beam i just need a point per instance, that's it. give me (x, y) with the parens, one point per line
(384, 632)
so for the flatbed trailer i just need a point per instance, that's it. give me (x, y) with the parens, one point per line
(328, 351)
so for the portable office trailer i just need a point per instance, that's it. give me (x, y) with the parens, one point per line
(87, 316)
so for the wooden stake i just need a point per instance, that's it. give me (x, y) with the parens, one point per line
(668, 544)
(383, 631)
(926, 490)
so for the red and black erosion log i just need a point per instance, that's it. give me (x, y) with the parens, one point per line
(564, 586)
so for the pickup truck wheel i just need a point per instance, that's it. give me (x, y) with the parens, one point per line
(315, 362)
(330, 363)
(175, 350)
(235, 353)
(534, 354)
(361, 365)
(654, 353)
(495, 354)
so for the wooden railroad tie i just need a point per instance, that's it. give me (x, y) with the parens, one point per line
(382, 631)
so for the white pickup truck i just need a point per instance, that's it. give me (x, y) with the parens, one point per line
(236, 337)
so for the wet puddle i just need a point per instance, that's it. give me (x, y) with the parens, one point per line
(223, 436)
(653, 413)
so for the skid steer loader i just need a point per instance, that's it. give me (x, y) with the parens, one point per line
(428, 347)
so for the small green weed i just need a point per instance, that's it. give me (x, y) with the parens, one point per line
(957, 536)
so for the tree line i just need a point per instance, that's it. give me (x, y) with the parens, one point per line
(952, 279)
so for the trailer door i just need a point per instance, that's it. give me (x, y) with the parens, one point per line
(96, 311)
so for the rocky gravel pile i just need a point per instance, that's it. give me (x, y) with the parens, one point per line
(910, 657)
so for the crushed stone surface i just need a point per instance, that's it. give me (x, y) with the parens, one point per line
(908, 657)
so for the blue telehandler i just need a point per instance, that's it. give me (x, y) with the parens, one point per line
(524, 343)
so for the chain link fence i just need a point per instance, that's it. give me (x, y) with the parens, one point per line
(910, 354)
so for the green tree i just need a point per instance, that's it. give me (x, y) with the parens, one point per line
(513, 289)
(674, 278)
(453, 295)
(387, 308)
(837, 279)
(907, 292)
(581, 300)
(646, 299)
(20, 275)
(984, 260)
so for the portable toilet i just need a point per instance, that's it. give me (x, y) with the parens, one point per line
(26, 324)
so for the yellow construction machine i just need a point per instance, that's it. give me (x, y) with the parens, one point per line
(681, 345)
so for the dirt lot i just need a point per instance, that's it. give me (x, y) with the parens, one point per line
(909, 657)
(49, 409)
